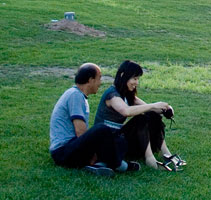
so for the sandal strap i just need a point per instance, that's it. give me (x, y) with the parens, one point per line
(171, 159)
(172, 156)
(164, 166)
(180, 161)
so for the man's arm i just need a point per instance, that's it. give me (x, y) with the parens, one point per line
(80, 127)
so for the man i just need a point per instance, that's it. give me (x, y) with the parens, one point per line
(72, 144)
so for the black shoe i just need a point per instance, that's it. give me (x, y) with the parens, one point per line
(133, 166)
(99, 170)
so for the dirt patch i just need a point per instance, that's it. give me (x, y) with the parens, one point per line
(74, 27)
(61, 72)
(20, 72)
(53, 71)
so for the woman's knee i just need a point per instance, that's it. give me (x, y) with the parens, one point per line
(139, 119)
(153, 116)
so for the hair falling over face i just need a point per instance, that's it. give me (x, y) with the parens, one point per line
(126, 71)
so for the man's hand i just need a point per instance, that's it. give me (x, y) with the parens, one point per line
(93, 160)
(80, 127)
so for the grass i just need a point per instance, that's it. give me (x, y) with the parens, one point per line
(171, 39)
(27, 172)
(157, 31)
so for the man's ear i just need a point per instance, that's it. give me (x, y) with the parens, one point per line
(90, 80)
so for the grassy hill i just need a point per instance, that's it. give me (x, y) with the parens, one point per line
(170, 39)
(156, 31)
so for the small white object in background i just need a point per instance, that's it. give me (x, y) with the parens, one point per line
(3, 3)
(69, 15)
(54, 20)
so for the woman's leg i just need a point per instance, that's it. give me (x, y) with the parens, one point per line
(150, 158)
(145, 135)
(137, 135)
(164, 149)
(156, 130)
(139, 142)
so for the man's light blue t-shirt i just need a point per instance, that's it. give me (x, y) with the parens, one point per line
(73, 104)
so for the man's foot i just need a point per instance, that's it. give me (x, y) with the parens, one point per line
(99, 170)
(128, 166)
(133, 166)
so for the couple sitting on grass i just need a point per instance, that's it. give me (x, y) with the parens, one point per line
(106, 147)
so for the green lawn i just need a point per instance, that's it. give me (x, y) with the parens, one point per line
(171, 39)
(158, 31)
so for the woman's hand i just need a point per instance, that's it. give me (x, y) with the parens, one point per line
(170, 107)
(159, 107)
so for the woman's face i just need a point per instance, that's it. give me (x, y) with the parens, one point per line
(132, 83)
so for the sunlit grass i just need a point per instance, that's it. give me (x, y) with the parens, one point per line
(195, 79)
(170, 39)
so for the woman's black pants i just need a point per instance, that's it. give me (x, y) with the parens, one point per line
(142, 130)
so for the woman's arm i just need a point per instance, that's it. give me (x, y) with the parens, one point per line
(138, 101)
(120, 106)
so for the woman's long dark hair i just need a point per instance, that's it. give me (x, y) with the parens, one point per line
(127, 70)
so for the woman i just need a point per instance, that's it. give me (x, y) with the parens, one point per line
(144, 133)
